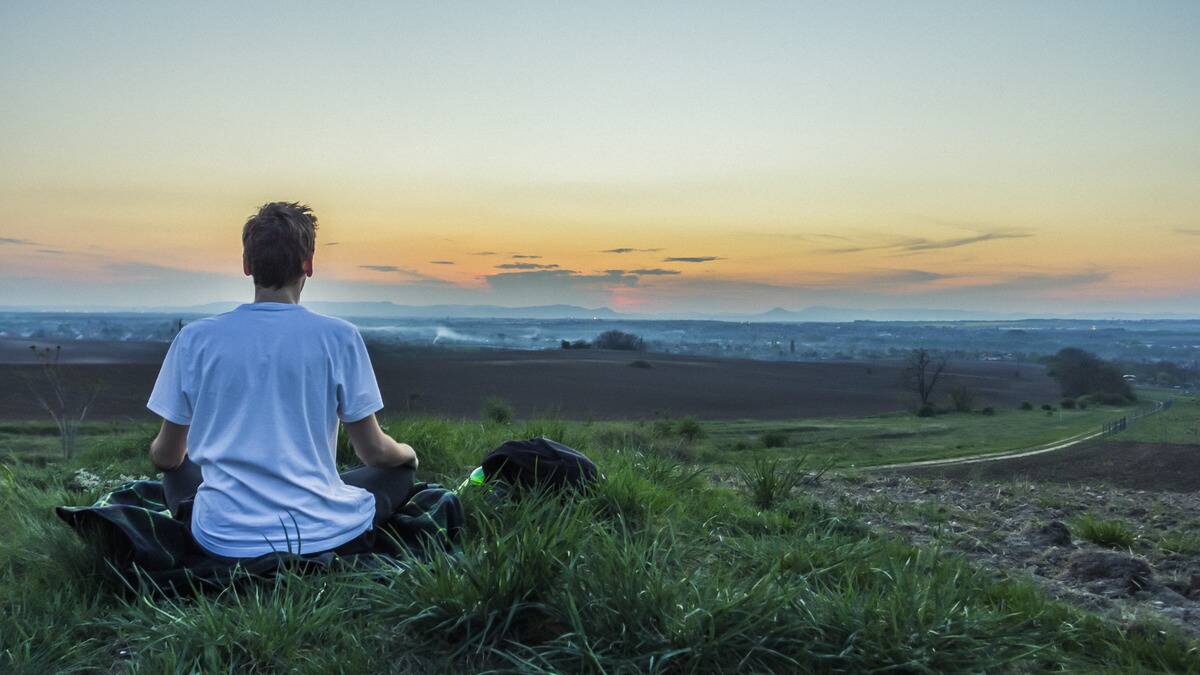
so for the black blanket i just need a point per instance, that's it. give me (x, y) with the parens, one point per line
(143, 542)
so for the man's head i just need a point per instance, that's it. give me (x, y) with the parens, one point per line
(278, 244)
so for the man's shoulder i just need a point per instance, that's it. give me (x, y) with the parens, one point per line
(334, 325)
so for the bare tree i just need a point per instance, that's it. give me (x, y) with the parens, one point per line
(68, 406)
(923, 372)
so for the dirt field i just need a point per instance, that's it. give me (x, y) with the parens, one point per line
(1132, 465)
(580, 384)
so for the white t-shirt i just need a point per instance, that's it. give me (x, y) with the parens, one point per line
(262, 388)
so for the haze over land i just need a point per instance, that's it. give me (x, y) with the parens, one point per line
(1032, 158)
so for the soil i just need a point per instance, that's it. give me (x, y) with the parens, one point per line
(572, 384)
(1029, 530)
(1138, 466)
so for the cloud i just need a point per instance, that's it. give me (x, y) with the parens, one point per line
(485, 253)
(654, 272)
(518, 256)
(51, 251)
(525, 266)
(631, 250)
(13, 241)
(898, 277)
(921, 244)
(406, 272)
(1189, 231)
(331, 243)
(441, 262)
(697, 259)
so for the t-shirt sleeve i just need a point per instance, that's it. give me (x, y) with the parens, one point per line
(358, 392)
(169, 399)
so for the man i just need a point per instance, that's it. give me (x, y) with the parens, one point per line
(250, 402)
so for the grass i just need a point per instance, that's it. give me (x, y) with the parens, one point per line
(1110, 533)
(896, 437)
(654, 570)
(1179, 424)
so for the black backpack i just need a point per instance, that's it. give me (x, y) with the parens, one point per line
(539, 462)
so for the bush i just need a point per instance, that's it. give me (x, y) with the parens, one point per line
(1047, 407)
(689, 428)
(640, 364)
(926, 411)
(962, 399)
(1110, 533)
(989, 411)
(1067, 404)
(497, 410)
(615, 339)
(770, 480)
(1026, 405)
(775, 438)
(1081, 403)
(578, 344)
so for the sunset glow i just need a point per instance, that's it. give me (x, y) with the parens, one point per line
(1023, 157)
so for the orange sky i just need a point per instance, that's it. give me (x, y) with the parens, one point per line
(1021, 158)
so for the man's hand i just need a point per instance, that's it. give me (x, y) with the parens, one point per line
(169, 447)
(376, 448)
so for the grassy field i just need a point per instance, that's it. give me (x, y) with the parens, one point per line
(1180, 425)
(654, 570)
(897, 437)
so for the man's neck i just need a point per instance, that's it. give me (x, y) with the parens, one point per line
(289, 294)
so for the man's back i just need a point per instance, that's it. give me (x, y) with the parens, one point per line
(262, 388)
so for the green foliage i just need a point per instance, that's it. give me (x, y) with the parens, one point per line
(655, 569)
(770, 480)
(962, 399)
(1026, 405)
(1110, 533)
(775, 438)
(690, 429)
(1082, 373)
(989, 411)
(926, 410)
(496, 409)
(1067, 404)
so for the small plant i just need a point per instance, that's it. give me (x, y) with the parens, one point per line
(1047, 407)
(926, 410)
(771, 480)
(690, 429)
(1026, 405)
(67, 404)
(962, 399)
(989, 411)
(775, 438)
(1067, 404)
(1109, 533)
(497, 410)
(1081, 403)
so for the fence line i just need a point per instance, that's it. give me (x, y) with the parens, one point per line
(1121, 424)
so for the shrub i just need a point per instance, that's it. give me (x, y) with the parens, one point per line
(962, 399)
(1026, 405)
(1067, 404)
(1110, 533)
(689, 428)
(775, 438)
(926, 411)
(578, 344)
(1081, 403)
(640, 364)
(770, 480)
(615, 339)
(497, 410)
(989, 411)
(1047, 407)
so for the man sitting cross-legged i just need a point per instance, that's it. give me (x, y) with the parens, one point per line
(251, 401)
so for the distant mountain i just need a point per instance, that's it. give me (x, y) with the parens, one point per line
(390, 310)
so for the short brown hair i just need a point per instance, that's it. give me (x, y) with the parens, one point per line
(277, 240)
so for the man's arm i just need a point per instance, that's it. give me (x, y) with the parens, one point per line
(376, 448)
(169, 447)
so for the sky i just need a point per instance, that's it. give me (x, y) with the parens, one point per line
(682, 157)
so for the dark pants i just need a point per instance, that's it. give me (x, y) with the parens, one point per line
(391, 487)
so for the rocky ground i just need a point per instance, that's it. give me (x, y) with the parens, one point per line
(1144, 562)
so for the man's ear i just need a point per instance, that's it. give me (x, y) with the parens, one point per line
(246, 267)
(308, 266)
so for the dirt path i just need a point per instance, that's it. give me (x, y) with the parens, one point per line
(1053, 446)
